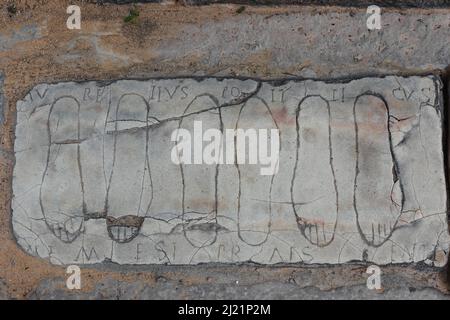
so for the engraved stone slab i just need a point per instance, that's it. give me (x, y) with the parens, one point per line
(2, 101)
(360, 172)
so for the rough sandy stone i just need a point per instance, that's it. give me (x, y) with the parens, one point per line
(167, 290)
(361, 174)
(26, 33)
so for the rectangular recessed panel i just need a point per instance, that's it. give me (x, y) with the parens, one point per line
(187, 171)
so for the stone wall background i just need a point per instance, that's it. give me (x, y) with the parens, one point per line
(357, 3)
(172, 40)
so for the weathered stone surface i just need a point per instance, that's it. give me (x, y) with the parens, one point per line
(2, 102)
(3, 290)
(26, 33)
(167, 290)
(359, 3)
(361, 173)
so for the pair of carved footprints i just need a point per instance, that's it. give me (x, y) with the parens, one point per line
(377, 191)
(66, 198)
(129, 179)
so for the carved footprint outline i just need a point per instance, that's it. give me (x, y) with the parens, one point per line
(304, 224)
(59, 229)
(125, 228)
(395, 177)
(240, 184)
(212, 223)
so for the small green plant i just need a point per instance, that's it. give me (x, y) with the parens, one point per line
(240, 9)
(132, 16)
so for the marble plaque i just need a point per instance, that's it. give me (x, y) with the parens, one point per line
(188, 171)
